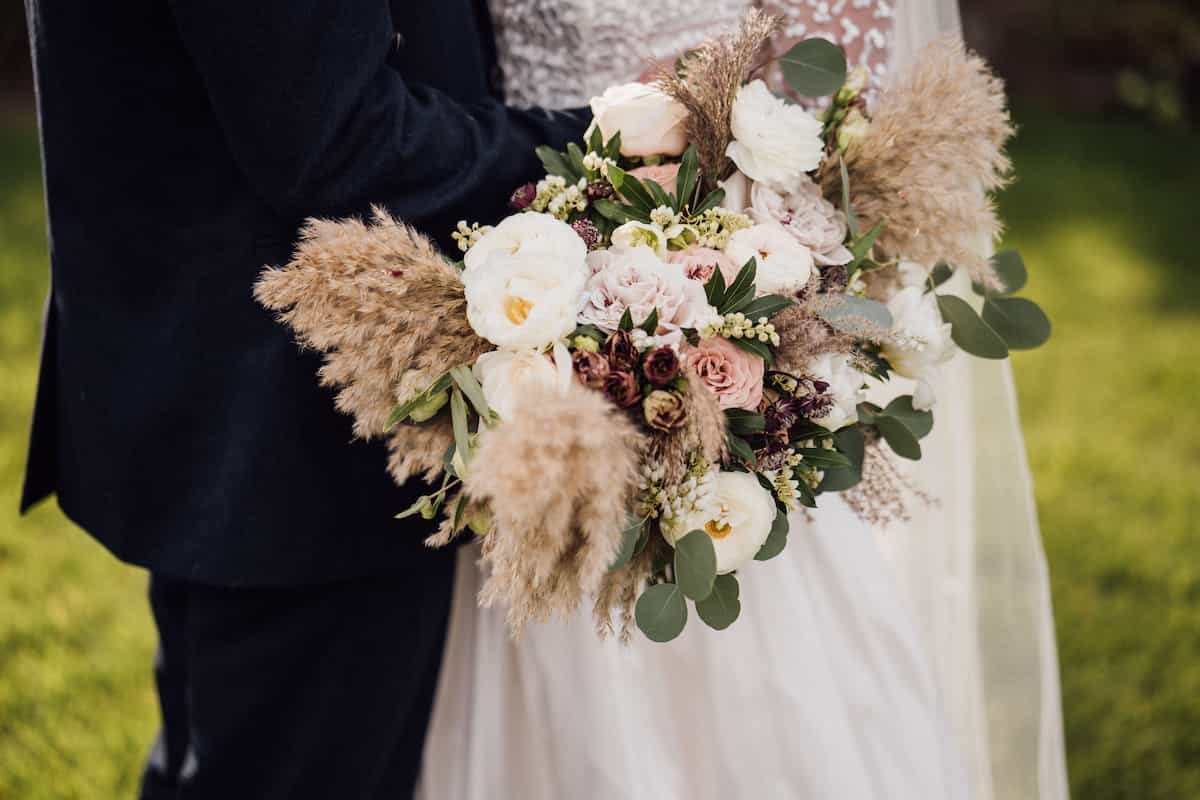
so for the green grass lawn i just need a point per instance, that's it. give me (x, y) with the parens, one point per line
(1104, 213)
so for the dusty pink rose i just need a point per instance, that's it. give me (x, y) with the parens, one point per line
(735, 376)
(699, 263)
(662, 174)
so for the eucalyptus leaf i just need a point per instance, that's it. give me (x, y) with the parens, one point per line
(629, 541)
(899, 438)
(721, 608)
(1019, 321)
(919, 423)
(1010, 268)
(776, 540)
(850, 311)
(695, 564)
(661, 612)
(814, 67)
(850, 443)
(970, 332)
(941, 273)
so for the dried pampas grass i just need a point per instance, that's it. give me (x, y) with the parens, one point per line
(557, 477)
(934, 149)
(703, 433)
(707, 85)
(388, 312)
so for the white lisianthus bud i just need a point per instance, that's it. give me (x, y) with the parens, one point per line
(773, 142)
(650, 120)
(853, 128)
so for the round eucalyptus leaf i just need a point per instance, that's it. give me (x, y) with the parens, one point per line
(814, 67)
(970, 332)
(721, 608)
(776, 539)
(1021, 322)
(695, 564)
(848, 314)
(661, 612)
(919, 423)
(839, 480)
(898, 437)
(1010, 268)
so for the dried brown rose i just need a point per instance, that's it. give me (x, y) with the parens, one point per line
(664, 410)
(621, 387)
(620, 352)
(661, 366)
(590, 368)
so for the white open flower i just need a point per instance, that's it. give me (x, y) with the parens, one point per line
(737, 514)
(845, 388)
(651, 122)
(920, 341)
(640, 234)
(504, 376)
(523, 281)
(784, 265)
(773, 142)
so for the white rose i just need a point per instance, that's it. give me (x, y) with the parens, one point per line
(806, 215)
(845, 388)
(523, 281)
(505, 376)
(737, 514)
(784, 265)
(921, 341)
(635, 279)
(650, 120)
(773, 142)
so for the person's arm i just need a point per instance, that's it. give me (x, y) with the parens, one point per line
(322, 125)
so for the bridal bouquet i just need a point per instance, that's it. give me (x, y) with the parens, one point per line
(625, 387)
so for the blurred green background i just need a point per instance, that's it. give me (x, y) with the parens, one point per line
(1104, 209)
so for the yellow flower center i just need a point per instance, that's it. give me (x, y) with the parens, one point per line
(517, 309)
(717, 529)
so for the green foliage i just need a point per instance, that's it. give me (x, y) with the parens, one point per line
(722, 606)
(851, 311)
(695, 564)
(661, 612)
(776, 539)
(814, 67)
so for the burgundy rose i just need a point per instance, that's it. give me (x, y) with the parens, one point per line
(599, 190)
(664, 410)
(620, 352)
(661, 366)
(621, 387)
(590, 368)
(522, 197)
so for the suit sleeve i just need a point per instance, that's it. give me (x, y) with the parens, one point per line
(321, 123)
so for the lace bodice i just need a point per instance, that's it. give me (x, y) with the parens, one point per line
(560, 53)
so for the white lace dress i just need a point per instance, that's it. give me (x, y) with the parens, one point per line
(826, 686)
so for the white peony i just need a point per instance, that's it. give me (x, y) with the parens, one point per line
(784, 265)
(737, 514)
(637, 280)
(505, 376)
(806, 215)
(737, 192)
(845, 387)
(920, 341)
(773, 142)
(651, 122)
(523, 281)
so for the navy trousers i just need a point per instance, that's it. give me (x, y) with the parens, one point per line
(296, 692)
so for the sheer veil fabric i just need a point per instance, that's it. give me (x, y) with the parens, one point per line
(914, 661)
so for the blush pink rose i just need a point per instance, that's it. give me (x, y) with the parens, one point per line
(735, 376)
(699, 263)
(662, 174)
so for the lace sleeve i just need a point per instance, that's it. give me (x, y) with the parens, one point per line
(862, 27)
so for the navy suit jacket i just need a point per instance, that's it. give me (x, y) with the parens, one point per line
(183, 144)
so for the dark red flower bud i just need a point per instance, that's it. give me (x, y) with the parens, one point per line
(522, 197)
(620, 352)
(590, 368)
(622, 388)
(587, 231)
(661, 366)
